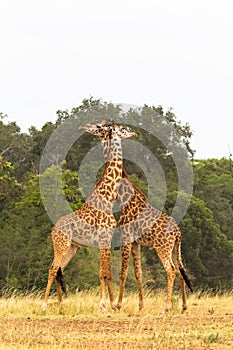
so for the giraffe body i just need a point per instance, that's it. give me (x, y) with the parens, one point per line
(141, 224)
(94, 222)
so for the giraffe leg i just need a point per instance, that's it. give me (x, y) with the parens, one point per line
(69, 255)
(109, 279)
(136, 253)
(176, 257)
(105, 274)
(51, 276)
(125, 253)
(61, 245)
(183, 291)
(102, 284)
(171, 274)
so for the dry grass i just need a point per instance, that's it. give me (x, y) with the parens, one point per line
(79, 324)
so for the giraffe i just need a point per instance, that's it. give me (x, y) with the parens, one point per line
(141, 224)
(94, 223)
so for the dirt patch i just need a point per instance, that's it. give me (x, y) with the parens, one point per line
(176, 332)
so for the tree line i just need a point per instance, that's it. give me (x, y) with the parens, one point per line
(26, 249)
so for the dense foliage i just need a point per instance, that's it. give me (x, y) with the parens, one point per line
(26, 250)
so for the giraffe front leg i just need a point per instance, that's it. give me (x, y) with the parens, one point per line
(102, 277)
(125, 253)
(109, 278)
(105, 274)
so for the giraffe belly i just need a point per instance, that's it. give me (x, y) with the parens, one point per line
(158, 238)
(151, 228)
(134, 227)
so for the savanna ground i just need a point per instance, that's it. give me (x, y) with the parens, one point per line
(79, 324)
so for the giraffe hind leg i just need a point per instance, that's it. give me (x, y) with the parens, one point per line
(171, 274)
(61, 245)
(136, 253)
(176, 256)
(60, 282)
(125, 253)
(51, 276)
(171, 271)
(186, 279)
(182, 274)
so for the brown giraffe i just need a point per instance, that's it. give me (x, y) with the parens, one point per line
(94, 222)
(141, 224)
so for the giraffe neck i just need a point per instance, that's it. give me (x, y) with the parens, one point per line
(129, 196)
(107, 186)
(112, 149)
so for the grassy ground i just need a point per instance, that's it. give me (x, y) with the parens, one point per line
(79, 324)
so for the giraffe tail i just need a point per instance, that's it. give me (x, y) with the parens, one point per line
(60, 279)
(178, 259)
(185, 277)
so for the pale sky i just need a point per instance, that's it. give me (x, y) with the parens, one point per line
(174, 53)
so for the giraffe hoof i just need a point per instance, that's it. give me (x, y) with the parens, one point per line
(184, 308)
(61, 304)
(102, 306)
(141, 307)
(118, 307)
(44, 306)
(165, 310)
(114, 306)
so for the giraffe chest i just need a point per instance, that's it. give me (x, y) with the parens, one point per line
(95, 217)
(98, 202)
(108, 191)
(132, 203)
(130, 213)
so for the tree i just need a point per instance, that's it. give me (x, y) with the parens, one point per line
(214, 185)
(207, 252)
(26, 248)
(15, 147)
(9, 187)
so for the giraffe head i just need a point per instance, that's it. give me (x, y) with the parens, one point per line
(108, 129)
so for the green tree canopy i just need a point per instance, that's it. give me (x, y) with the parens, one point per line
(214, 185)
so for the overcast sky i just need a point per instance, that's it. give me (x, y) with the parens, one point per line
(174, 53)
